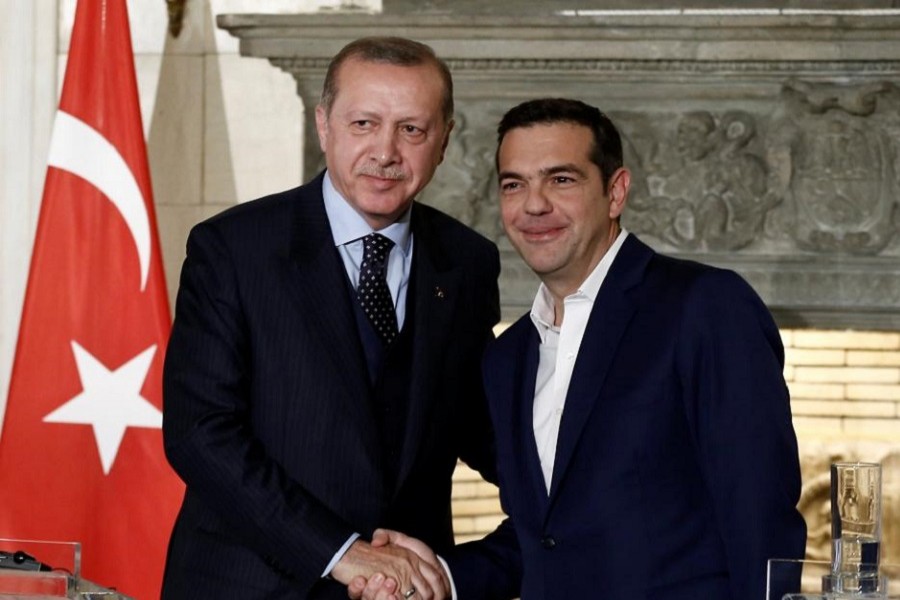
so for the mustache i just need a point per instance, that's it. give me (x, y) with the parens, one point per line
(381, 172)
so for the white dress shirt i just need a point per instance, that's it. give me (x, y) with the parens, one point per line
(558, 352)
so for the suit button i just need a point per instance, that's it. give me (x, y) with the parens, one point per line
(548, 542)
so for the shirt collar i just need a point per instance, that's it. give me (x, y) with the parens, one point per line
(543, 311)
(347, 225)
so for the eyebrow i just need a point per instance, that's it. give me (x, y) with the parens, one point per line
(548, 171)
(566, 168)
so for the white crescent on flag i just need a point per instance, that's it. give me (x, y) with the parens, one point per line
(80, 149)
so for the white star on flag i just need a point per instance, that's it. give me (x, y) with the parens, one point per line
(110, 401)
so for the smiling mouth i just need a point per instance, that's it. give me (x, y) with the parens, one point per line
(542, 234)
(381, 184)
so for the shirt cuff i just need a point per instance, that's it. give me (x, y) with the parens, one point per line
(340, 554)
(450, 577)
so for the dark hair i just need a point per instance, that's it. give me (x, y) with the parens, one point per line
(606, 152)
(396, 51)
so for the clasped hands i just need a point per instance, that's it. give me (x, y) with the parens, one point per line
(391, 567)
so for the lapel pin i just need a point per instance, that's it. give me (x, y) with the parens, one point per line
(438, 292)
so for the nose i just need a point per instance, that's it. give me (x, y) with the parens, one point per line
(384, 147)
(537, 202)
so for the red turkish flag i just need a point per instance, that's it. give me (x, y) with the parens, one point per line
(81, 456)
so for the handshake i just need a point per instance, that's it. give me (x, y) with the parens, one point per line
(392, 567)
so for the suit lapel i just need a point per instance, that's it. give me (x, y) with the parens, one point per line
(436, 289)
(524, 385)
(609, 319)
(319, 283)
(510, 375)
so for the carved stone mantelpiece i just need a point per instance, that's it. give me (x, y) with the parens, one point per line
(769, 144)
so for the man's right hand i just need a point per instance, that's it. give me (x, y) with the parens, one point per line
(398, 570)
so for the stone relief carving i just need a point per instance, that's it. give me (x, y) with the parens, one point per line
(834, 152)
(464, 186)
(819, 173)
(705, 183)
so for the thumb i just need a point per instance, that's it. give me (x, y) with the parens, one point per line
(383, 537)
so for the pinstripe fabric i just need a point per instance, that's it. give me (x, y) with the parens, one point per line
(267, 410)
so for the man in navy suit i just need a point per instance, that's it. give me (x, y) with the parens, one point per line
(299, 421)
(644, 437)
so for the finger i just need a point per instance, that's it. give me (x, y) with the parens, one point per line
(376, 583)
(436, 579)
(384, 594)
(424, 589)
(356, 587)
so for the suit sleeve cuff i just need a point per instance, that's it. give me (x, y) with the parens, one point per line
(340, 554)
(449, 578)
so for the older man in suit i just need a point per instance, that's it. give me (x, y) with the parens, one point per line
(324, 359)
(644, 437)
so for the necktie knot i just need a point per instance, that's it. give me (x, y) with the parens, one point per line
(372, 291)
(376, 248)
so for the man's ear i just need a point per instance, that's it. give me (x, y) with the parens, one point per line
(617, 188)
(322, 125)
(446, 141)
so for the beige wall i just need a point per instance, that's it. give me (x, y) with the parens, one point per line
(844, 384)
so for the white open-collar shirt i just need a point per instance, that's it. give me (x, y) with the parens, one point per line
(558, 352)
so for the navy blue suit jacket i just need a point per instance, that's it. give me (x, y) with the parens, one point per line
(676, 473)
(268, 415)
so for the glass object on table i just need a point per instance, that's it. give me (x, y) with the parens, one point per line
(855, 532)
(38, 569)
(855, 571)
(45, 570)
(811, 573)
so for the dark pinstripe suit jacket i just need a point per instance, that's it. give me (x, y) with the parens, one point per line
(267, 409)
